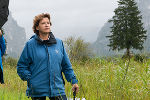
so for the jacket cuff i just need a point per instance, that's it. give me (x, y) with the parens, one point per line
(26, 75)
(74, 81)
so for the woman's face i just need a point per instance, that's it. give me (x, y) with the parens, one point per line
(44, 26)
(0, 32)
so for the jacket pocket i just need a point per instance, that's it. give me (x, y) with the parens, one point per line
(38, 87)
(29, 88)
(58, 82)
(34, 87)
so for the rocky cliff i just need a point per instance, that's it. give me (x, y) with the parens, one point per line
(15, 37)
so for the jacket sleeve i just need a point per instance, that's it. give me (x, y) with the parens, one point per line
(67, 68)
(2, 45)
(24, 63)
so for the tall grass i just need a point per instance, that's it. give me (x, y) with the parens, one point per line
(99, 79)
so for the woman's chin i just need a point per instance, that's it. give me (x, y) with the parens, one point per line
(46, 32)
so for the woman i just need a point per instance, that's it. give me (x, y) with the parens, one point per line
(43, 61)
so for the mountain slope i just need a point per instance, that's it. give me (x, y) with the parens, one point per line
(15, 37)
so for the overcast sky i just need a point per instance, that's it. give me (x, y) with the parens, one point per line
(69, 17)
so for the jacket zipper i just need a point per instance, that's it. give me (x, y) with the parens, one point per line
(48, 68)
(54, 79)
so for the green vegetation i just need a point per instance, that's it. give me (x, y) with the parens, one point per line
(99, 79)
(77, 48)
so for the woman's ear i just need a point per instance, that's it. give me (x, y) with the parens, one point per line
(37, 28)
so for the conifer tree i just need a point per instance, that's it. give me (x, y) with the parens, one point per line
(127, 29)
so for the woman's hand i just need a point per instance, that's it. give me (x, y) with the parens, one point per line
(75, 87)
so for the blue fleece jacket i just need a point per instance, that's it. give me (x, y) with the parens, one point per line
(42, 65)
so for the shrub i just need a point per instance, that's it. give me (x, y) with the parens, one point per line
(77, 49)
(11, 61)
(140, 57)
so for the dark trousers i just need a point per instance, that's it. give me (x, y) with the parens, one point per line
(63, 97)
(1, 76)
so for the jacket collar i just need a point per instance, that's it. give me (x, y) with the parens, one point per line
(51, 40)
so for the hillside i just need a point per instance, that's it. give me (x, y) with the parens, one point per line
(15, 37)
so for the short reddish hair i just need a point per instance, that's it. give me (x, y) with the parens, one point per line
(37, 20)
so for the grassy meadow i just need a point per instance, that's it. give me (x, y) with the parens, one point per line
(99, 79)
